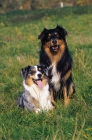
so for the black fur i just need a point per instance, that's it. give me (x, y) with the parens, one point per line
(64, 64)
(25, 71)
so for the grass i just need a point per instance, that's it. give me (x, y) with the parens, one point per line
(19, 47)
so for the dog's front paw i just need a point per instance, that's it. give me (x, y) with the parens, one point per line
(37, 110)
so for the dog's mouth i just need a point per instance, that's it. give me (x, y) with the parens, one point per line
(38, 82)
(54, 48)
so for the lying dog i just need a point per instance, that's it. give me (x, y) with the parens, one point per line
(55, 56)
(36, 96)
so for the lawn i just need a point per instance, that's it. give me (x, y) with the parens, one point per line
(19, 47)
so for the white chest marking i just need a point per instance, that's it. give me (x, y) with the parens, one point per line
(41, 95)
(55, 78)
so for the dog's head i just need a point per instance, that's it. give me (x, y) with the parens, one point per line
(53, 38)
(35, 75)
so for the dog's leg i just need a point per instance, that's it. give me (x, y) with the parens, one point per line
(71, 90)
(66, 98)
(68, 87)
(52, 97)
(65, 92)
(68, 92)
(67, 75)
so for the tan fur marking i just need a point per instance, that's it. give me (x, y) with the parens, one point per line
(52, 96)
(29, 80)
(66, 98)
(34, 101)
(39, 69)
(33, 69)
(44, 80)
(55, 57)
(49, 35)
(64, 92)
(56, 33)
(67, 75)
(70, 91)
(66, 102)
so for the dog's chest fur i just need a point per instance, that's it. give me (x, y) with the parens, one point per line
(55, 78)
(41, 95)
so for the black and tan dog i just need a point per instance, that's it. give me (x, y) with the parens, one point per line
(37, 95)
(55, 56)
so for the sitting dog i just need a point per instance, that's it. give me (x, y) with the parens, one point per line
(55, 56)
(36, 96)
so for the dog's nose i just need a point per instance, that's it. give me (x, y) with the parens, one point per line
(54, 41)
(39, 75)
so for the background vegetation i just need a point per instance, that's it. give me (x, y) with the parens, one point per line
(19, 47)
(11, 5)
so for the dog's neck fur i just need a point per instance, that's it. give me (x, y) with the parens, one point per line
(42, 95)
(55, 57)
(55, 78)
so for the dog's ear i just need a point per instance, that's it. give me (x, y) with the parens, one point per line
(62, 30)
(25, 71)
(42, 35)
(45, 69)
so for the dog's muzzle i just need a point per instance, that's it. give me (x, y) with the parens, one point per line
(54, 45)
(55, 48)
(38, 82)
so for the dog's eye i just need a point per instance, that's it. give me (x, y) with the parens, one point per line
(40, 69)
(49, 35)
(57, 35)
(32, 72)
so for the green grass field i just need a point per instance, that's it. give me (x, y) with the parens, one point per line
(19, 47)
